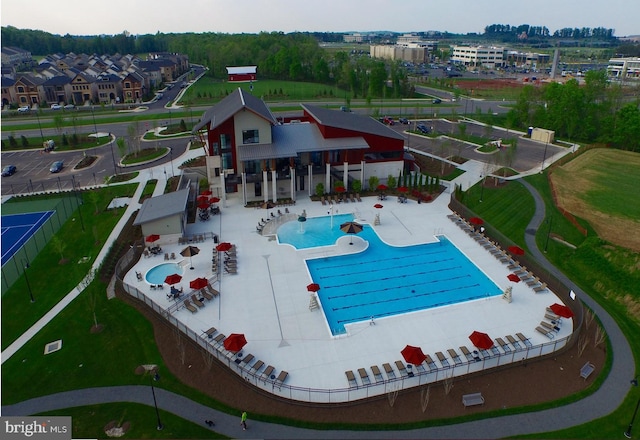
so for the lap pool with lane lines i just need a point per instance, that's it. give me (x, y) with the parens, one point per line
(385, 280)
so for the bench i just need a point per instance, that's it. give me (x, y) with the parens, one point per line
(472, 399)
(586, 370)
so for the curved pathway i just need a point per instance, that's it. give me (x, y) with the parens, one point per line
(605, 400)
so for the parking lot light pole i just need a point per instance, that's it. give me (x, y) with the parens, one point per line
(25, 266)
(627, 433)
(156, 377)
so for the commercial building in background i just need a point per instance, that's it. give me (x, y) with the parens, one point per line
(479, 56)
(624, 68)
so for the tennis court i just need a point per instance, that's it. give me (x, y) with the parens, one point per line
(18, 228)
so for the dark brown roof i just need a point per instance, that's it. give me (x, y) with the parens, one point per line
(231, 105)
(350, 121)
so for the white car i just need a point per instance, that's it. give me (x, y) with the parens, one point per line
(24, 109)
(56, 106)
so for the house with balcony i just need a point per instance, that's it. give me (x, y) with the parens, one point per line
(252, 155)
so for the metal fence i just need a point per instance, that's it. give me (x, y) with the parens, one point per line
(14, 268)
(410, 379)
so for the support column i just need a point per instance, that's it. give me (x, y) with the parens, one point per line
(274, 184)
(310, 174)
(327, 179)
(292, 182)
(345, 173)
(244, 189)
(265, 186)
(362, 174)
(224, 190)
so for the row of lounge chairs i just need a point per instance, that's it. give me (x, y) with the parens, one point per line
(194, 239)
(248, 362)
(551, 324)
(346, 198)
(429, 365)
(207, 293)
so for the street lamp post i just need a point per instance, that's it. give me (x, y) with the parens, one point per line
(95, 127)
(25, 266)
(156, 377)
(627, 433)
(113, 157)
(544, 156)
(548, 234)
(481, 187)
(171, 160)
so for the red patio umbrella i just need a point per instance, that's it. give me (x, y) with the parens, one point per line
(224, 247)
(513, 277)
(481, 340)
(382, 187)
(174, 278)
(516, 250)
(313, 287)
(214, 200)
(377, 206)
(403, 189)
(203, 205)
(562, 310)
(202, 198)
(151, 238)
(413, 355)
(206, 192)
(476, 221)
(340, 189)
(198, 283)
(235, 342)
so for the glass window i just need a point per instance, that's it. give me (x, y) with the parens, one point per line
(250, 137)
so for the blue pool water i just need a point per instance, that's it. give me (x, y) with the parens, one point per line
(315, 232)
(384, 280)
(157, 274)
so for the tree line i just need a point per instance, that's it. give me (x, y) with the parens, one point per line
(509, 33)
(595, 112)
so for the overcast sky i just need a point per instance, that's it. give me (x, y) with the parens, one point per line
(92, 17)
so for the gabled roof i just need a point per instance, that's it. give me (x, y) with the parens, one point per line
(162, 206)
(29, 80)
(350, 121)
(289, 140)
(232, 104)
(241, 69)
(57, 81)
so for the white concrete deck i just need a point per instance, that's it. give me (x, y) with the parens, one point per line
(267, 299)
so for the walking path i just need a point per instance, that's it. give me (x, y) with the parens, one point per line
(605, 400)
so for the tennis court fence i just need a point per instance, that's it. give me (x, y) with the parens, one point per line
(31, 246)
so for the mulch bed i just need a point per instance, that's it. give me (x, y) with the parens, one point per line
(526, 383)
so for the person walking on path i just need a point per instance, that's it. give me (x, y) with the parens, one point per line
(243, 420)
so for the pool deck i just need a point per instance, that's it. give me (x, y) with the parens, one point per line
(267, 299)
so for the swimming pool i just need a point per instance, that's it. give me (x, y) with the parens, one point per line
(385, 281)
(314, 232)
(157, 274)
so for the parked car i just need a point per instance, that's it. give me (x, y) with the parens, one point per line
(56, 167)
(56, 106)
(24, 109)
(344, 108)
(388, 120)
(69, 107)
(423, 129)
(9, 170)
(437, 101)
(404, 121)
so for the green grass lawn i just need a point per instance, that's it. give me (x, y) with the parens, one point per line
(51, 281)
(89, 422)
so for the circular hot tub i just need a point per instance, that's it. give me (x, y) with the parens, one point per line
(157, 274)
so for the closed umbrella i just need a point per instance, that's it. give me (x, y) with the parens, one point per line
(516, 250)
(235, 342)
(190, 251)
(377, 206)
(351, 228)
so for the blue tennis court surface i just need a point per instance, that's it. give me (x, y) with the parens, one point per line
(18, 228)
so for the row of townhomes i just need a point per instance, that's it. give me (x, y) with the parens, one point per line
(81, 79)
(258, 157)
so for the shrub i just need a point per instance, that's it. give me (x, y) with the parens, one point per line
(320, 189)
